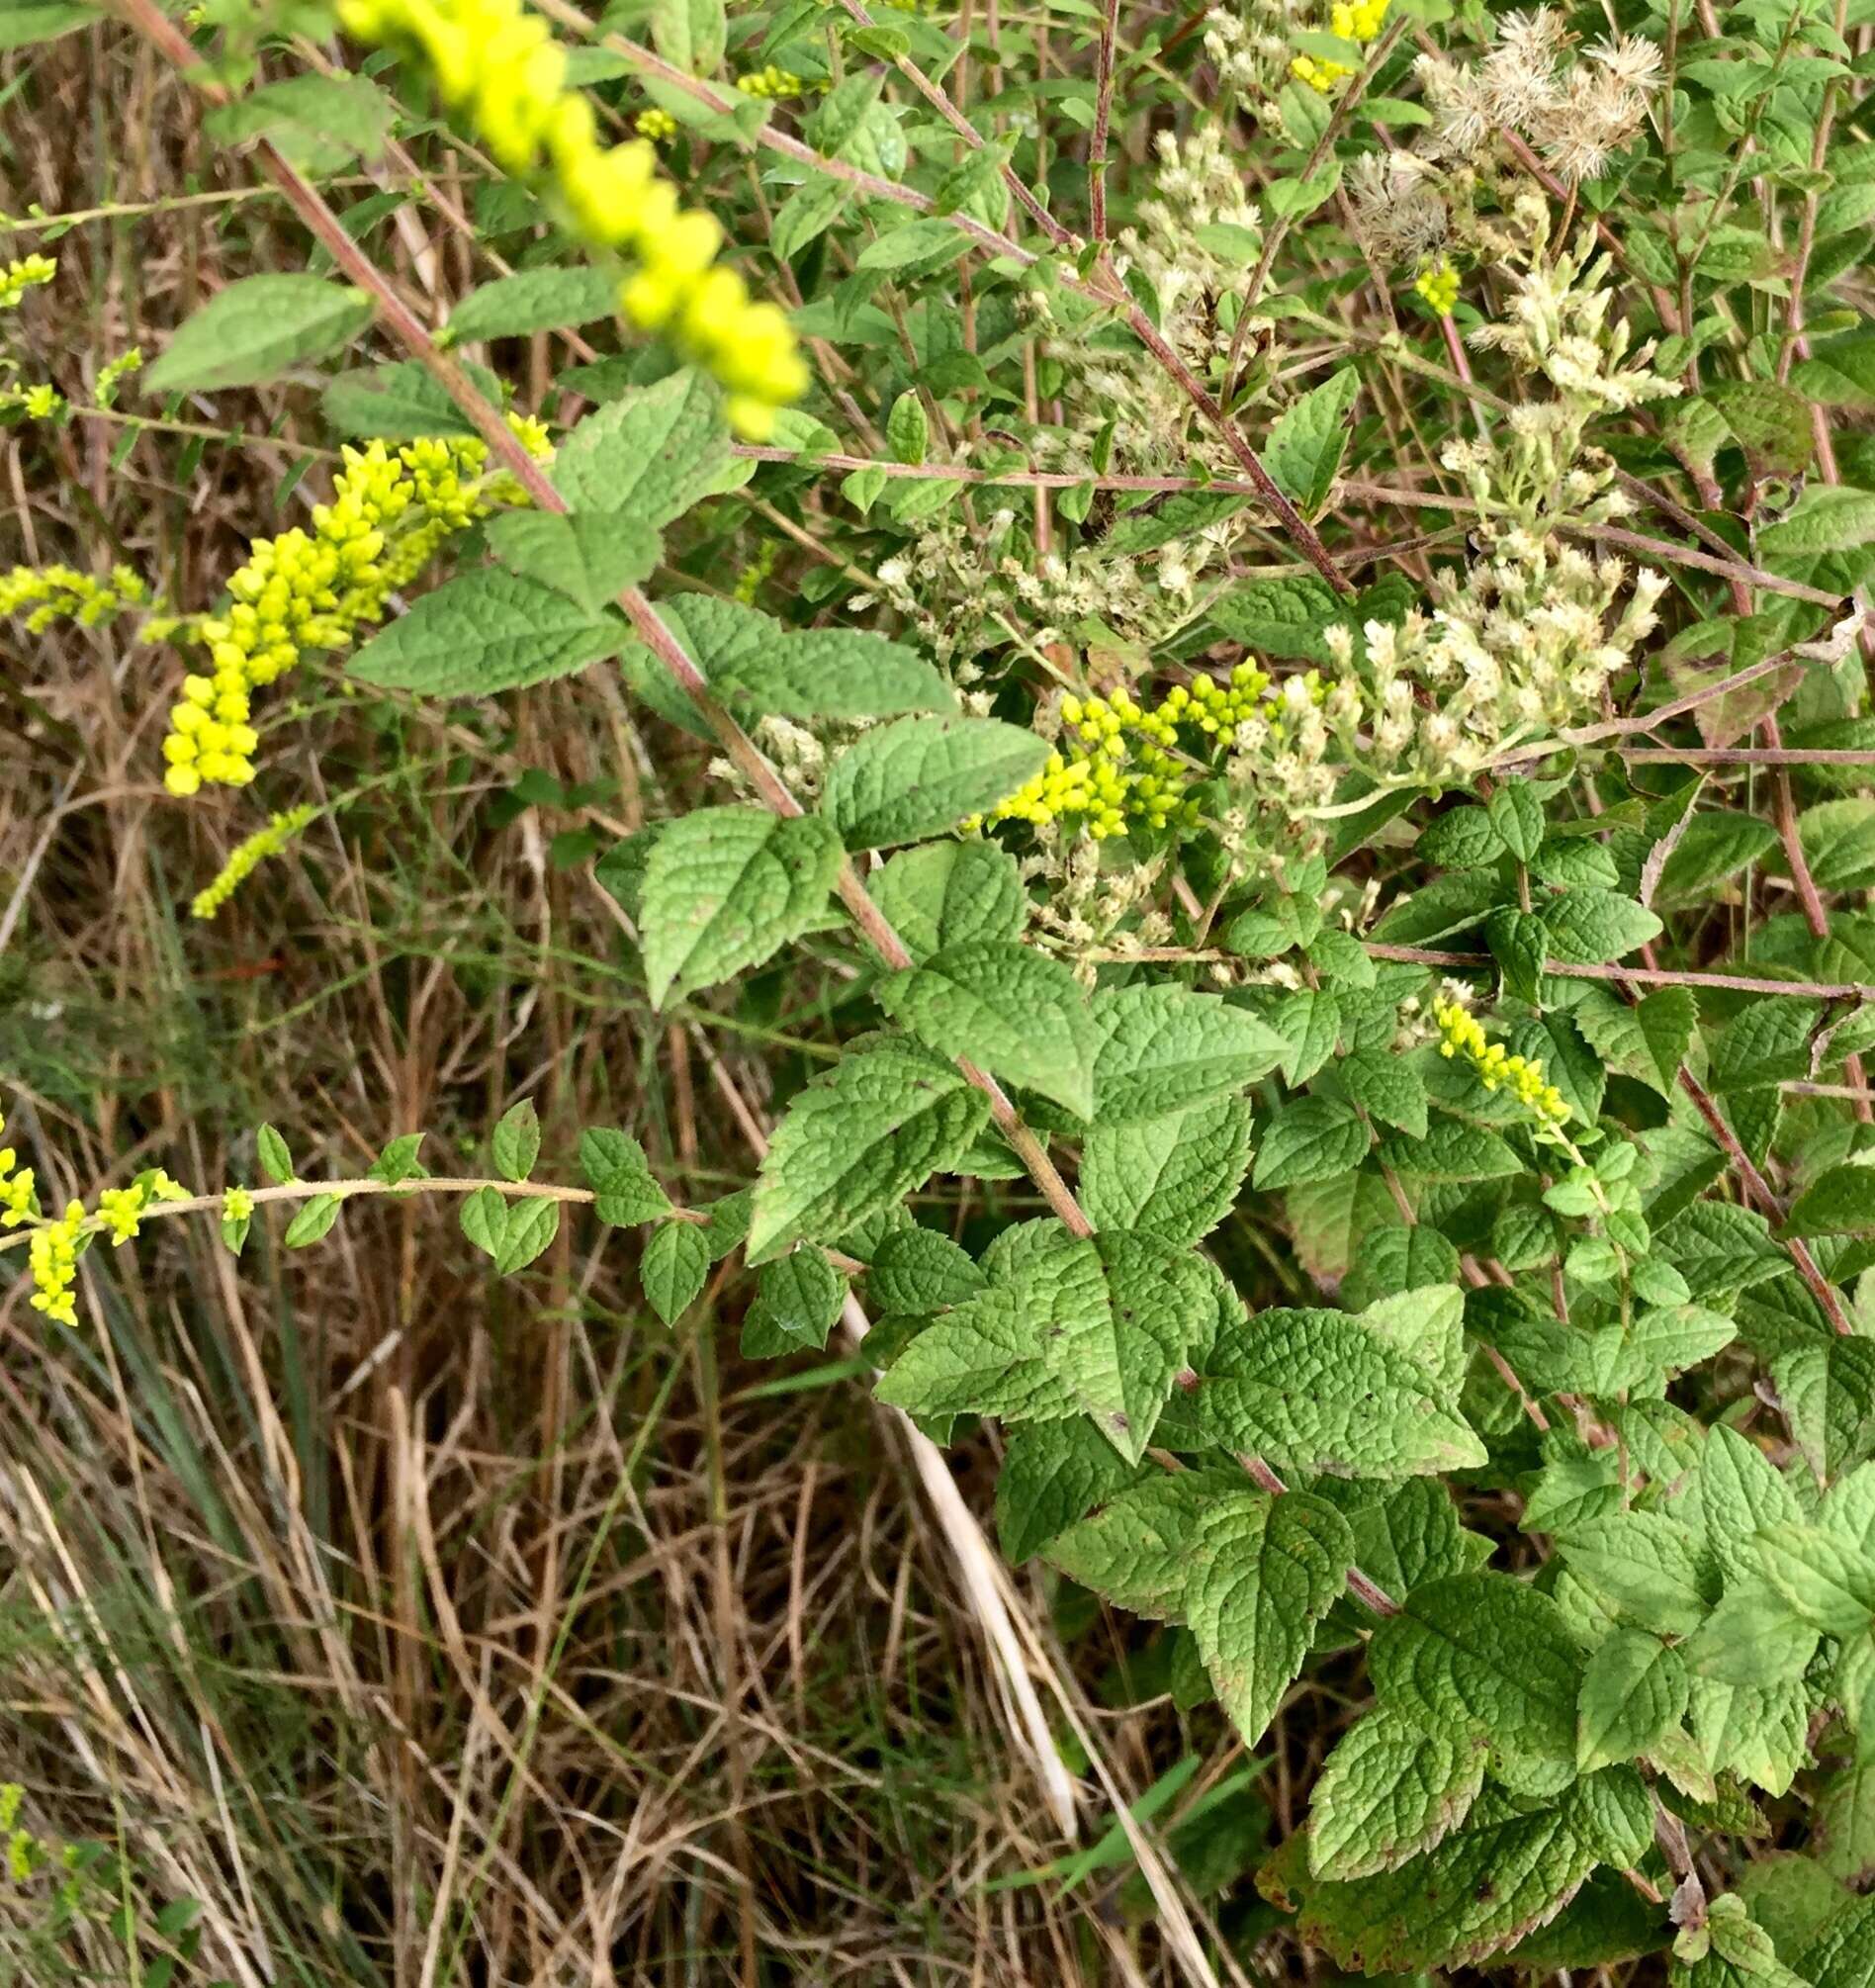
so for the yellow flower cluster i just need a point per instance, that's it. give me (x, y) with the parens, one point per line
(1465, 1038)
(36, 404)
(64, 593)
(20, 276)
(112, 372)
(771, 81)
(22, 1851)
(313, 589)
(16, 1187)
(1438, 284)
(659, 127)
(248, 856)
(1360, 22)
(499, 65)
(1125, 762)
(53, 1257)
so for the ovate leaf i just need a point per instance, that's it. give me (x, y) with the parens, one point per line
(487, 630)
(1303, 451)
(859, 1139)
(1633, 1688)
(1390, 1790)
(1486, 1656)
(920, 776)
(255, 329)
(1008, 1008)
(725, 888)
(1175, 1177)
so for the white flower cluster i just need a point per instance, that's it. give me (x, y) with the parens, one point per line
(1250, 49)
(1575, 113)
(1520, 646)
(1088, 902)
(1555, 324)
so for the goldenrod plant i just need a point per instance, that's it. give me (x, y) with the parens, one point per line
(1170, 714)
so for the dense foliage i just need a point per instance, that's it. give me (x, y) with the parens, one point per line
(1274, 600)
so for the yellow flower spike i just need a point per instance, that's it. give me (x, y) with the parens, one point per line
(659, 127)
(500, 67)
(1438, 284)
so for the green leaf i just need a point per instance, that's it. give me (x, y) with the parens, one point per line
(1840, 372)
(255, 329)
(1263, 1572)
(1323, 1392)
(918, 1270)
(1643, 1564)
(1713, 846)
(398, 1162)
(1740, 1494)
(23, 22)
(587, 556)
(1646, 1042)
(756, 663)
(1174, 1177)
(1840, 1201)
(1588, 927)
(1828, 1581)
(1769, 422)
(313, 1221)
(1009, 1009)
(1167, 1049)
(800, 1295)
(907, 430)
(906, 241)
(651, 453)
(859, 1139)
(1312, 1139)
(920, 776)
(276, 1162)
(691, 34)
(1388, 1792)
(1053, 1474)
(1158, 520)
(516, 1141)
(1388, 1089)
(1135, 1548)
(1488, 1885)
(1287, 616)
(1827, 518)
(620, 1177)
(485, 631)
(1483, 1656)
(1303, 451)
(486, 1217)
(320, 123)
(1250, 1573)
(949, 893)
(532, 300)
(673, 1267)
(1633, 1690)
(1452, 1151)
(1838, 843)
(1100, 1323)
(1517, 815)
(400, 402)
(725, 888)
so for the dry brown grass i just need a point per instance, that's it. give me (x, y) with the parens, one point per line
(422, 1629)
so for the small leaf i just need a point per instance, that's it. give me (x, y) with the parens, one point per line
(516, 1141)
(948, 894)
(675, 1262)
(1302, 452)
(1313, 1139)
(800, 1295)
(276, 1162)
(533, 300)
(255, 329)
(651, 454)
(920, 776)
(591, 556)
(725, 888)
(1633, 1690)
(1175, 1177)
(1517, 815)
(626, 1190)
(1006, 1008)
(859, 1139)
(398, 1162)
(313, 1221)
(1389, 1792)
(485, 631)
